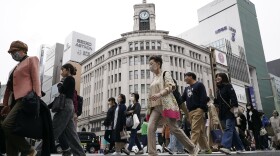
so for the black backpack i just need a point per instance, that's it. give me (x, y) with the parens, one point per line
(176, 92)
(80, 105)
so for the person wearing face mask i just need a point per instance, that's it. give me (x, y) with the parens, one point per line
(108, 124)
(226, 100)
(134, 108)
(163, 105)
(275, 124)
(23, 79)
(254, 124)
(119, 124)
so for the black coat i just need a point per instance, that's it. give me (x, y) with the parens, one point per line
(255, 123)
(226, 99)
(136, 110)
(48, 146)
(110, 117)
(121, 122)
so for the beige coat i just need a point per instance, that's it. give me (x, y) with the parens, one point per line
(213, 121)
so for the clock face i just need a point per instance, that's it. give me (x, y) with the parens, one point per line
(144, 15)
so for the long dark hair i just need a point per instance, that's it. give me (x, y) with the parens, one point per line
(69, 67)
(223, 76)
(123, 98)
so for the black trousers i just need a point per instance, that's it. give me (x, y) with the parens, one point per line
(256, 134)
(109, 138)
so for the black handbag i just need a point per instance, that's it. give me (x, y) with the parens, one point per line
(2, 135)
(31, 104)
(58, 103)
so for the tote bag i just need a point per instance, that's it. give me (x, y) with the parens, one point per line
(136, 121)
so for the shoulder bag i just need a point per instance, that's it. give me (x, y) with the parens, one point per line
(58, 103)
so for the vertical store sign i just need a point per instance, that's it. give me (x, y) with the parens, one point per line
(252, 97)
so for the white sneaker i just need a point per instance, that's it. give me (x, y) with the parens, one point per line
(225, 151)
(117, 153)
(195, 151)
(240, 151)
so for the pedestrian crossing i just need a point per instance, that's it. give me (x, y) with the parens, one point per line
(247, 153)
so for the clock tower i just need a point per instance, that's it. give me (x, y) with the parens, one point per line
(144, 16)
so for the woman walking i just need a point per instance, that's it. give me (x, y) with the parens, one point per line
(23, 79)
(119, 125)
(135, 108)
(226, 100)
(275, 124)
(108, 123)
(162, 104)
(63, 121)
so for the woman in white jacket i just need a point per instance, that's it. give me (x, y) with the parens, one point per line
(275, 124)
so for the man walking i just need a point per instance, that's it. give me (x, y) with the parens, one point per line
(195, 96)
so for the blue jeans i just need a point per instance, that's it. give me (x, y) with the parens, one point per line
(230, 136)
(175, 144)
(134, 140)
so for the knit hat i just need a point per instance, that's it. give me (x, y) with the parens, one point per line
(18, 45)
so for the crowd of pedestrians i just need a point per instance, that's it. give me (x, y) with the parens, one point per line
(192, 127)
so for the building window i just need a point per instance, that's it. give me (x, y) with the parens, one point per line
(181, 77)
(120, 90)
(148, 88)
(176, 62)
(158, 45)
(184, 66)
(172, 75)
(148, 73)
(130, 61)
(136, 45)
(120, 77)
(147, 59)
(130, 89)
(136, 88)
(170, 47)
(120, 63)
(130, 47)
(153, 45)
(135, 74)
(136, 60)
(176, 74)
(116, 78)
(108, 67)
(130, 75)
(115, 92)
(116, 64)
(142, 88)
(142, 60)
(142, 74)
(112, 80)
(143, 103)
(180, 63)
(147, 45)
(171, 61)
(141, 45)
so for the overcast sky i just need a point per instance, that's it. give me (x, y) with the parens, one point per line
(39, 22)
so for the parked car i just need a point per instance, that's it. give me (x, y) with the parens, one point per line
(136, 150)
(89, 141)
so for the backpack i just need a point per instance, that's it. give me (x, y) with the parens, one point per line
(176, 92)
(80, 105)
